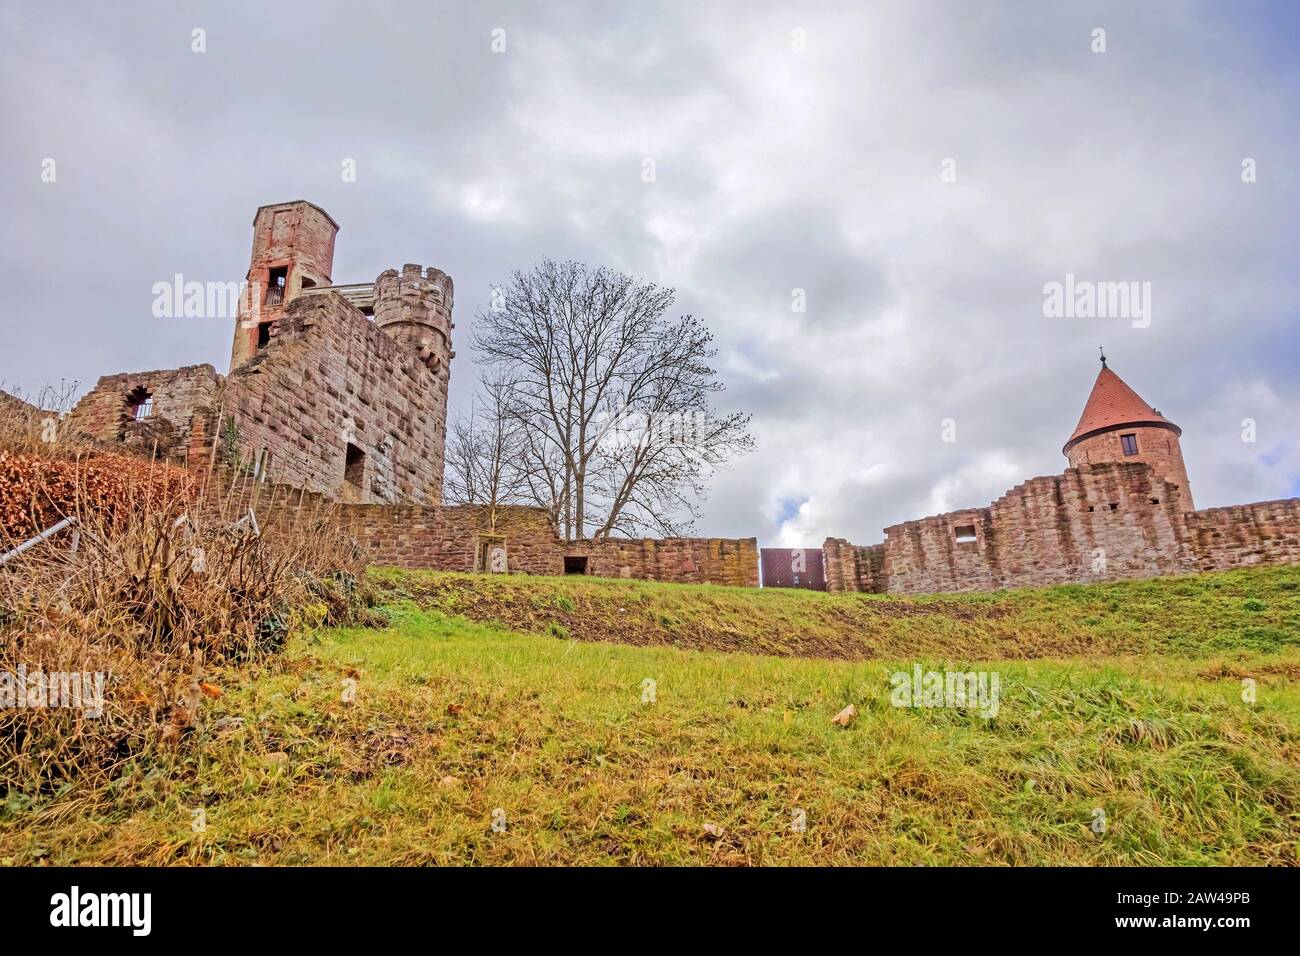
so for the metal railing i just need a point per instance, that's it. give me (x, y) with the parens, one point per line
(43, 536)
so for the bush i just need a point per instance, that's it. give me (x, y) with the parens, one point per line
(166, 584)
(36, 493)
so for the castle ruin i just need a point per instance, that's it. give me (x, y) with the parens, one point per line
(336, 389)
(340, 392)
(1122, 509)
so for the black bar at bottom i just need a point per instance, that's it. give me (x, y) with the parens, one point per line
(336, 905)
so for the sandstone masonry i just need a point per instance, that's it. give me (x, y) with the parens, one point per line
(1122, 510)
(336, 400)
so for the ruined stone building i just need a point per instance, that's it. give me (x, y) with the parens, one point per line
(340, 392)
(340, 389)
(1122, 509)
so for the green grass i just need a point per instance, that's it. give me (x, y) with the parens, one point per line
(1257, 608)
(455, 719)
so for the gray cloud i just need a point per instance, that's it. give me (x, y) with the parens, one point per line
(775, 170)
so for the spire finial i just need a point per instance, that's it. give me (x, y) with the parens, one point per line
(1102, 350)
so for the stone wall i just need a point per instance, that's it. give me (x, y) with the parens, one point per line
(1097, 522)
(854, 567)
(1092, 523)
(732, 561)
(330, 379)
(456, 538)
(180, 396)
(451, 538)
(1267, 532)
(19, 414)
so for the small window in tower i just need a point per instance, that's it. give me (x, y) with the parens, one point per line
(354, 466)
(276, 280)
(575, 564)
(1114, 506)
(1155, 501)
(1091, 508)
(965, 533)
(139, 404)
(1129, 443)
(263, 334)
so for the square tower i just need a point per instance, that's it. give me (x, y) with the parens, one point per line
(293, 249)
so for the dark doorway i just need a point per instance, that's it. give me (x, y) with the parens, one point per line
(354, 466)
(793, 568)
(575, 564)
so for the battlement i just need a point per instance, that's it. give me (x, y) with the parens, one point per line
(415, 281)
(414, 307)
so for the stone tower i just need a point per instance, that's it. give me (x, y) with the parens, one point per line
(1118, 426)
(413, 307)
(293, 249)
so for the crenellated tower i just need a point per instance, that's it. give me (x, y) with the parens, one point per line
(414, 307)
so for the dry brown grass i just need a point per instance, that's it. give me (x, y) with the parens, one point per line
(163, 577)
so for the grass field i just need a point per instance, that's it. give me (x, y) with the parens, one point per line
(1121, 735)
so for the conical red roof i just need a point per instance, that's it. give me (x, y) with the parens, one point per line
(1113, 404)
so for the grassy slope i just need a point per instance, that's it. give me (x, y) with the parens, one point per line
(454, 719)
(1252, 609)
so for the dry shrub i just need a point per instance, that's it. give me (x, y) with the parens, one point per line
(164, 585)
(36, 427)
(37, 492)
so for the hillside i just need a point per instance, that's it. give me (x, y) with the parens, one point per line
(1251, 609)
(472, 743)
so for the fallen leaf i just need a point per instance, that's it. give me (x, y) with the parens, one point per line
(845, 716)
(455, 709)
(713, 831)
(210, 690)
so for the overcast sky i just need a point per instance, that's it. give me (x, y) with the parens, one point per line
(794, 147)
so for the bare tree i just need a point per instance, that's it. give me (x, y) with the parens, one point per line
(485, 451)
(611, 398)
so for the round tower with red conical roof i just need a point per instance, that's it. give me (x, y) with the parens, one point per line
(1117, 425)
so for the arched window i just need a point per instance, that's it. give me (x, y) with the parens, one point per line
(139, 404)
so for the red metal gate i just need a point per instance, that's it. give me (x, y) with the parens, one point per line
(793, 568)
